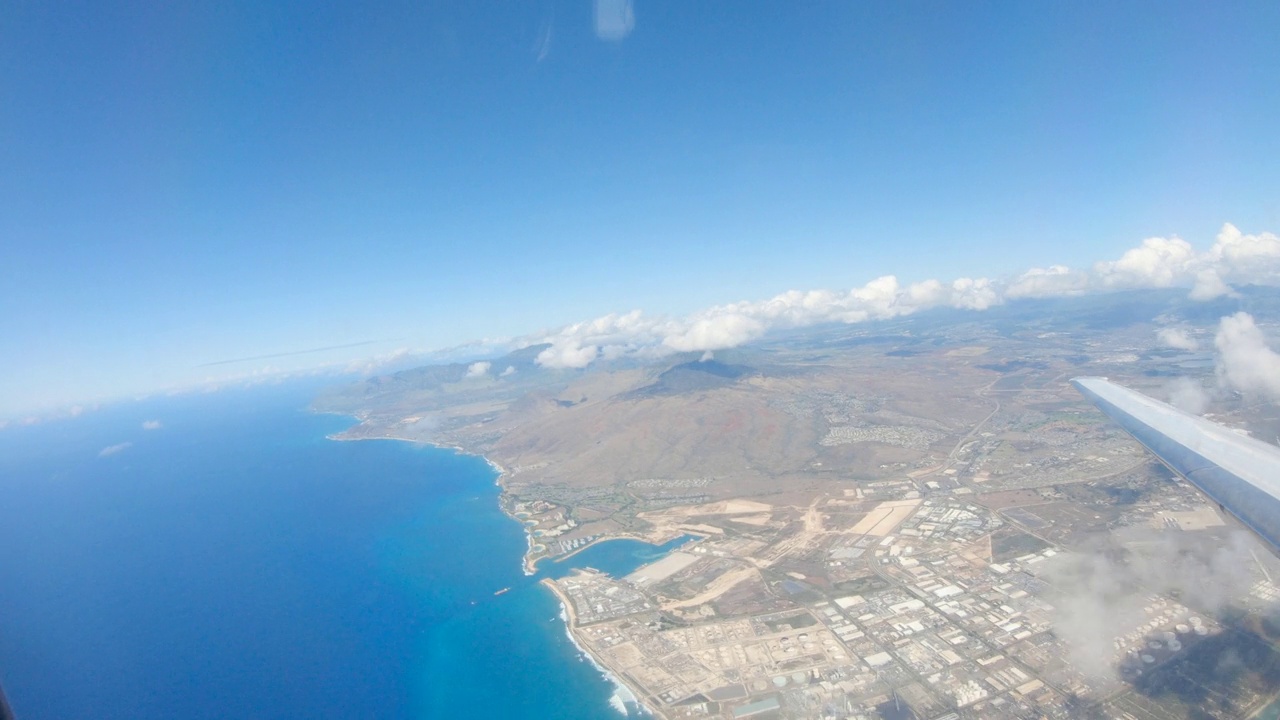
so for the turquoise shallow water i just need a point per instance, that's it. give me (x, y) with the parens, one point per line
(235, 562)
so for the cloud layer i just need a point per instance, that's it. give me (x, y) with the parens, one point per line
(1155, 263)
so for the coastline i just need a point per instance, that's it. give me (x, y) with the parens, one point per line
(528, 563)
(648, 539)
(618, 701)
(623, 692)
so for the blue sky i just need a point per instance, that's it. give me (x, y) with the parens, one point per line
(189, 184)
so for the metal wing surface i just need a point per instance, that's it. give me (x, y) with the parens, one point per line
(1239, 473)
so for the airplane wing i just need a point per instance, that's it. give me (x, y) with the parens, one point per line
(1239, 473)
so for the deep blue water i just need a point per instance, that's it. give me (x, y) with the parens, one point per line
(235, 562)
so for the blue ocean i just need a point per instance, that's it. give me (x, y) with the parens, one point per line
(228, 560)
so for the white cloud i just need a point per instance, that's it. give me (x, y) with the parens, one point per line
(1235, 257)
(151, 425)
(1245, 362)
(568, 354)
(478, 369)
(113, 449)
(1176, 338)
(707, 356)
(1099, 594)
(716, 332)
(511, 370)
(967, 294)
(1209, 285)
(614, 335)
(1157, 262)
(1053, 281)
(1246, 258)
(377, 363)
(726, 326)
